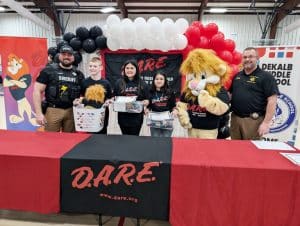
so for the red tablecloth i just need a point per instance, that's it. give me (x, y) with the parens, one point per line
(232, 183)
(30, 169)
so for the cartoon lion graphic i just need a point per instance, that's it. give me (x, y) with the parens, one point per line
(204, 99)
(18, 80)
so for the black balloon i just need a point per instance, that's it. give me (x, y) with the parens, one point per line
(95, 31)
(89, 45)
(75, 43)
(82, 33)
(68, 36)
(62, 43)
(77, 58)
(101, 42)
(52, 51)
(56, 58)
(223, 130)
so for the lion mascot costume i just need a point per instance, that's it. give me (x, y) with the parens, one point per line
(204, 99)
(94, 96)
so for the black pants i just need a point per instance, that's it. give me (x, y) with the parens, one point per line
(132, 130)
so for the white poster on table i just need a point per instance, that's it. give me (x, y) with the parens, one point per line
(283, 62)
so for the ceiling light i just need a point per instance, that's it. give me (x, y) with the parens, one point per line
(217, 10)
(2, 9)
(107, 10)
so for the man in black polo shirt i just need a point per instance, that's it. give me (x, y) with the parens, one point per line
(254, 96)
(61, 83)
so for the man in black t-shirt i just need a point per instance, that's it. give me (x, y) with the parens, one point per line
(61, 83)
(254, 97)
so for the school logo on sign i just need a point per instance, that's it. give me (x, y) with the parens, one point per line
(285, 114)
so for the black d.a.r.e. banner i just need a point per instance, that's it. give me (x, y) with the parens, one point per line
(118, 176)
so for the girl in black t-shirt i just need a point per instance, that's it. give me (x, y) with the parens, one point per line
(131, 85)
(162, 98)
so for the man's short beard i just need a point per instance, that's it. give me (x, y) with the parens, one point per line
(66, 65)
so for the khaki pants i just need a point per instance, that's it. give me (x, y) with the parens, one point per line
(244, 128)
(59, 119)
(202, 133)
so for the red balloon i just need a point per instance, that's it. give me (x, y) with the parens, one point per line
(199, 25)
(203, 43)
(227, 84)
(236, 57)
(234, 70)
(186, 50)
(221, 33)
(217, 42)
(229, 45)
(226, 56)
(192, 34)
(210, 30)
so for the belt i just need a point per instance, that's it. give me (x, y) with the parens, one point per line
(254, 115)
(57, 106)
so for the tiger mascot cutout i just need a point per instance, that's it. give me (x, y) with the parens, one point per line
(18, 80)
(204, 99)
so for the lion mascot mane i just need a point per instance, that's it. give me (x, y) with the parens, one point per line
(94, 96)
(204, 99)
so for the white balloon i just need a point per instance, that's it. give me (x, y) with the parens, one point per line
(167, 21)
(180, 42)
(155, 29)
(181, 24)
(112, 19)
(153, 20)
(141, 26)
(140, 20)
(142, 30)
(138, 45)
(113, 44)
(115, 31)
(128, 30)
(164, 45)
(126, 21)
(149, 43)
(126, 43)
(170, 30)
(105, 30)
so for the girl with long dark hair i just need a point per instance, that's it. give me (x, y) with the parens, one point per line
(162, 98)
(131, 85)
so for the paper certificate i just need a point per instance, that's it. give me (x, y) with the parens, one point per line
(293, 157)
(272, 145)
(127, 104)
(160, 116)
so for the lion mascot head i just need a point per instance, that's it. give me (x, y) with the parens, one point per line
(204, 71)
(204, 98)
(94, 96)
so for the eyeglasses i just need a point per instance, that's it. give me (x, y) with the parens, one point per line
(250, 56)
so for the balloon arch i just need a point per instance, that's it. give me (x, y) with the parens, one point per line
(153, 34)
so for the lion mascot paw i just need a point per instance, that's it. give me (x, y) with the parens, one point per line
(183, 115)
(204, 99)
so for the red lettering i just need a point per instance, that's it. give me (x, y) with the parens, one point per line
(146, 171)
(150, 65)
(81, 172)
(161, 62)
(84, 176)
(104, 175)
(196, 108)
(141, 65)
(124, 174)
